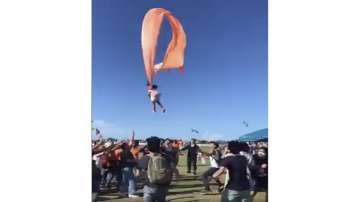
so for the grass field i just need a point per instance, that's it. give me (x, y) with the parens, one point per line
(187, 189)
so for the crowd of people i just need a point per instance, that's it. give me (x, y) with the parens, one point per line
(238, 169)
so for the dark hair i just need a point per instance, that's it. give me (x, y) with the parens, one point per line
(215, 143)
(265, 150)
(124, 146)
(153, 144)
(244, 147)
(234, 147)
(154, 86)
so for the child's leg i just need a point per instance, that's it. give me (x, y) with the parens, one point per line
(162, 107)
(154, 106)
(159, 103)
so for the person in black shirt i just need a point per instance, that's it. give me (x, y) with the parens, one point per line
(238, 188)
(260, 171)
(96, 180)
(192, 152)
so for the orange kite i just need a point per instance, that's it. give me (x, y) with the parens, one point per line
(174, 56)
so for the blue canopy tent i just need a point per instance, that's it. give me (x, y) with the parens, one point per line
(259, 135)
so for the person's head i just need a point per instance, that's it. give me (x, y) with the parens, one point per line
(168, 145)
(193, 141)
(153, 144)
(262, 152)
(154, 87)
(124, 146)
(214, 145)
(244, 147)
(136, 143)
(234, 147)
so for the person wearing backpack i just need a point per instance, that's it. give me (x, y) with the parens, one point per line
(158, 169)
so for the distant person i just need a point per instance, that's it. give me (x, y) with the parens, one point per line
(214, 156)
(192, 152)
(117, 167)
(135, 150)
(128, 164)
(170, 151)
(237, 189)
(176, 147)
(158, 171)
(154, 95)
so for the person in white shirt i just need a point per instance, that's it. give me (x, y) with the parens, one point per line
(154, 95)
(214, 157)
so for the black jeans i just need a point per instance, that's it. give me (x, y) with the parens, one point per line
(207, 174)
(191, 160)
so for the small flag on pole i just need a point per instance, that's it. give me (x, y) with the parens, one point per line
(132, 139)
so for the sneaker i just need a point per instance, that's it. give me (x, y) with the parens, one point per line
(133, 196)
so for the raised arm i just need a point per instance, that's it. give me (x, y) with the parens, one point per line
(116, 146)
(184, 148)
(218, 172)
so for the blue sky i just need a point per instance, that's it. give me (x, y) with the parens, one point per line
(225, 80)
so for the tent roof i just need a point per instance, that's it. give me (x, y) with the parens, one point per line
(255, 136)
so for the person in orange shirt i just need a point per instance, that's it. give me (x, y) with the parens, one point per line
(135, 150)
(116, 158)
(176, 147)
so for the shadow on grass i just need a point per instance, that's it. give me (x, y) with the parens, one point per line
(182, 192)
(101, 198)
(181, 197)
(189, 178)
(184, 186)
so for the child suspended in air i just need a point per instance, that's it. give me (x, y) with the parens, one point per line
(155, 97)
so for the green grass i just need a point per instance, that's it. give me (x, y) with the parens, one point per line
(187, 189)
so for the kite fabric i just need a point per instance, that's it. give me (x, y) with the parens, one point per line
(174, 56)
